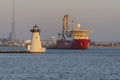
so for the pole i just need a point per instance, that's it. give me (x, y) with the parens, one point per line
(13, 23)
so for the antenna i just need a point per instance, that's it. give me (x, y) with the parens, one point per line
(13, 22)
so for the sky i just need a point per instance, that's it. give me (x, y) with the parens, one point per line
(100, 16)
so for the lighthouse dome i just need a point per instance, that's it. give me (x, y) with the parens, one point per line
(35, 29)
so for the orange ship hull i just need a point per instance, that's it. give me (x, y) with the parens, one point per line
(74, 44)
(80, 44)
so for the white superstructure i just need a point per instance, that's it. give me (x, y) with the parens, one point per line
(80, 34)
(28, 43)
(36, 41)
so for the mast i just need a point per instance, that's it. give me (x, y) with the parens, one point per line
(13, 22)
(63, 31)
(65, 26)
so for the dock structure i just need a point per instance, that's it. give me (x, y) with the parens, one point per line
(15, 52)
(18, 51)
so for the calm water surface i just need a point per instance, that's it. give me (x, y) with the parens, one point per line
(92, 64)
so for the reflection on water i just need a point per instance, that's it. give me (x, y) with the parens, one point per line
(92, 64)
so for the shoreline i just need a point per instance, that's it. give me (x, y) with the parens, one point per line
(104, 46)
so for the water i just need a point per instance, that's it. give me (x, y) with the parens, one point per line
(92, 64)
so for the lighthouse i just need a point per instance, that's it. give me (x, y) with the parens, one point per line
(36, 41)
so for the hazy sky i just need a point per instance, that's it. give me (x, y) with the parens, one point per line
(101, 16)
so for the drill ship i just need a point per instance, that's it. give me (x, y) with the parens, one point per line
(78, 39)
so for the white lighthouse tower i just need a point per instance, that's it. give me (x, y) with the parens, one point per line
(36, 41)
